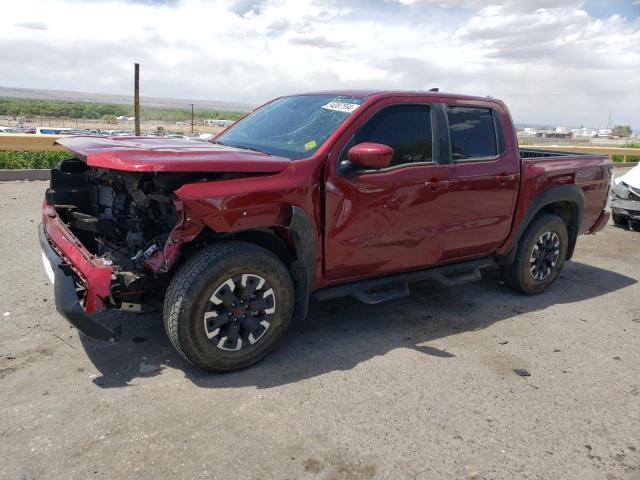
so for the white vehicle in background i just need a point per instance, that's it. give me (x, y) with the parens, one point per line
(9, 130)
(625, 199)
(54, 131)
(217, 122)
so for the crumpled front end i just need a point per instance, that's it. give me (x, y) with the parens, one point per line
(81, 284)
(108, 237)
(625, 198)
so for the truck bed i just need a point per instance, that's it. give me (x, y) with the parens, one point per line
(536, 153)
(544, 170)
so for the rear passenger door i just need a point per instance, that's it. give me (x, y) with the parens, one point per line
(484, 179)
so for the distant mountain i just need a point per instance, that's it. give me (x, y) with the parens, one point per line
(38, 94)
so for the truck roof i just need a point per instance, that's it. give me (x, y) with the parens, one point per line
(395, 93)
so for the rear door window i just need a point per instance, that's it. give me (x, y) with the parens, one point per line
(473, 134)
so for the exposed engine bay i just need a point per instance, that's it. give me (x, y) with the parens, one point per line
(122, 218)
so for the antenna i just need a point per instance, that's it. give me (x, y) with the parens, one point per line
(434, 89)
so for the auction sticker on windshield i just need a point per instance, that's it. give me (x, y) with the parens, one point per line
(341, 107)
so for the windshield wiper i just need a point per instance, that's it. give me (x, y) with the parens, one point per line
(243, 147)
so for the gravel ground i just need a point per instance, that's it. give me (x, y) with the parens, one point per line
(417, 388)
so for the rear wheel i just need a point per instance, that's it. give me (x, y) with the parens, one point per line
(540, 255)
(228, 306)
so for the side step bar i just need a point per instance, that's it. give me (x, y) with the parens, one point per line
(393, 287)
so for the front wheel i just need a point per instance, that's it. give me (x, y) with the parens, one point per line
(541, 253)
(228, 305)
(619, 220)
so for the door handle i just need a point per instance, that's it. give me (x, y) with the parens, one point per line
(505, 179)
(437, 186)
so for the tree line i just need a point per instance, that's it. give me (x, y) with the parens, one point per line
(30, 108)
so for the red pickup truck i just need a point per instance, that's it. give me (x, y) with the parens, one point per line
(326, 194)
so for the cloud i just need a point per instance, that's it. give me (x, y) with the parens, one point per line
(523, 5)
(549, 59)
(320, 42)
(32, 25)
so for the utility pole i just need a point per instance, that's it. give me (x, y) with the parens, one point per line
(136, 99)
(191, 118)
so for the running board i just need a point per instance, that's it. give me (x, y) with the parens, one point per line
(393, 287)
(395, 292)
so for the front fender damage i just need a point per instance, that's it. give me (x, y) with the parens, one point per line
(187, 228)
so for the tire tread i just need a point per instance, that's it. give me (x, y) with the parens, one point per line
(177, 297)
(513, 275)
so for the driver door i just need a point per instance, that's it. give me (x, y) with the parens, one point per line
(381, 221)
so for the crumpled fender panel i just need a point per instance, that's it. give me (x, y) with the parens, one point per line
(246, 203)
(236, 205)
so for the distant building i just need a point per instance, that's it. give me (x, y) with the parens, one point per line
(558, 132)
(605, 133)
(584, 132)
(215, 122)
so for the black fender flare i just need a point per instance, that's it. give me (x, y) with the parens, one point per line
(304, 267)
(564, 193)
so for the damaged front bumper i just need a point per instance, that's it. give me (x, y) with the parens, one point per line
(73, 269)
(625, 208)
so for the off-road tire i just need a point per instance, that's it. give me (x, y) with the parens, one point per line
(189, 297)
(518, 275)
(619, 220)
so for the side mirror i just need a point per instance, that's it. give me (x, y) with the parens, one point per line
(370, 155)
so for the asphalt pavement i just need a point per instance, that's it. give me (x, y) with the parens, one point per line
(417, 388)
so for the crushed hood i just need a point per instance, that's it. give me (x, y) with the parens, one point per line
(157, 154)
(631, 178)
(625, 185)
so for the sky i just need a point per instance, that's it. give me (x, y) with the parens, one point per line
(561, 62)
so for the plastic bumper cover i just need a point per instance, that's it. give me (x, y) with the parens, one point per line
(626, 208)
(66, 298)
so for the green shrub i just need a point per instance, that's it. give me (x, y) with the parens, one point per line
(15, 160)
(630, 158)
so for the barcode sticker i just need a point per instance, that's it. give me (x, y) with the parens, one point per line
(341, 107)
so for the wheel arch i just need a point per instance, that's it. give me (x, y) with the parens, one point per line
(294, 244)
(567, 202)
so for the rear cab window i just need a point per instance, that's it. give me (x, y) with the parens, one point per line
(475, 133)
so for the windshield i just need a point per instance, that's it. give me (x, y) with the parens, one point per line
(292, 127)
